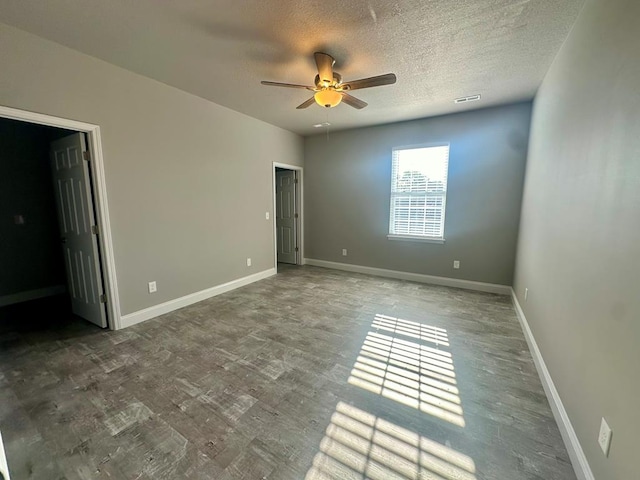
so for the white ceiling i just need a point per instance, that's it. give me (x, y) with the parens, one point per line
(221, 49)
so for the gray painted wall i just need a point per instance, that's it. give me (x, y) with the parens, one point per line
(30, 254)
(188, 181)
(347, 191)
(579, 247)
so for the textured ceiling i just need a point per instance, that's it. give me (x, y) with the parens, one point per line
(221, 49)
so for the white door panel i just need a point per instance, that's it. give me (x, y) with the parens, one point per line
(286, 215)
(4, 468)
(76, 217)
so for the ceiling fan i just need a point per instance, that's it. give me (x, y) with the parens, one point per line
(329, 88)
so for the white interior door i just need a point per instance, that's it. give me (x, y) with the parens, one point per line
(78, 233)
(4, 468)
(286, 215)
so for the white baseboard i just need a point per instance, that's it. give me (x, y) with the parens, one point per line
(415, 277)
(171, 305)
(31, 295)
(576, 454)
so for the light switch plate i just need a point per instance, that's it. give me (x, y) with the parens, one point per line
(153, 287)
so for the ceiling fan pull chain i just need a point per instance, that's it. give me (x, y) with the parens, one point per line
(327, 124)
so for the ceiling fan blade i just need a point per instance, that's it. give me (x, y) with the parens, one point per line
(377, 81)
(353, 101)
(306, 104)
(324, 62)
(287, 85)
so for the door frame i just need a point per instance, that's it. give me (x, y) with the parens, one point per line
(300, 210)
(99, 191)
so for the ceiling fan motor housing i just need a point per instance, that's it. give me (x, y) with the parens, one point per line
(337, 80)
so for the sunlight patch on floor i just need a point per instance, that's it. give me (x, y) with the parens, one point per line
(407, 371)
(360, 445)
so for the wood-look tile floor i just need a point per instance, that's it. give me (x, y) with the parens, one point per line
(310, 374)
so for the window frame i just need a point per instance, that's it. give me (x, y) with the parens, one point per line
(392, 194)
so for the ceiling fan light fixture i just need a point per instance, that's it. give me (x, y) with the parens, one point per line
(329, 91)
(328, 98)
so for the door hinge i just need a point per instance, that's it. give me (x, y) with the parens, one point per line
(295, 215)
(103, 298)
(95, 230)
(86, 156)
(295, 180)
(296, 249)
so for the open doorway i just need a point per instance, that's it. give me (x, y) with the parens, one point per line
(54, 262)
(287, 199)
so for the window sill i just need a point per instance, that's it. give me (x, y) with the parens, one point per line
(415, 238)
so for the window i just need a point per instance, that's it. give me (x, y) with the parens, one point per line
(418, 192)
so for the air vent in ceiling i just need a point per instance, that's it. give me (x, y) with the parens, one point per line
(470, 98)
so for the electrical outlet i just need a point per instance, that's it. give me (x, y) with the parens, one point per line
(248, 262)
(266, 215)
(526, 294)
(456, 264)
(153, 288)
(344, 252)
(604, 437)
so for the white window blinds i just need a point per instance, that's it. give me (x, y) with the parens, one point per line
(419, 191)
